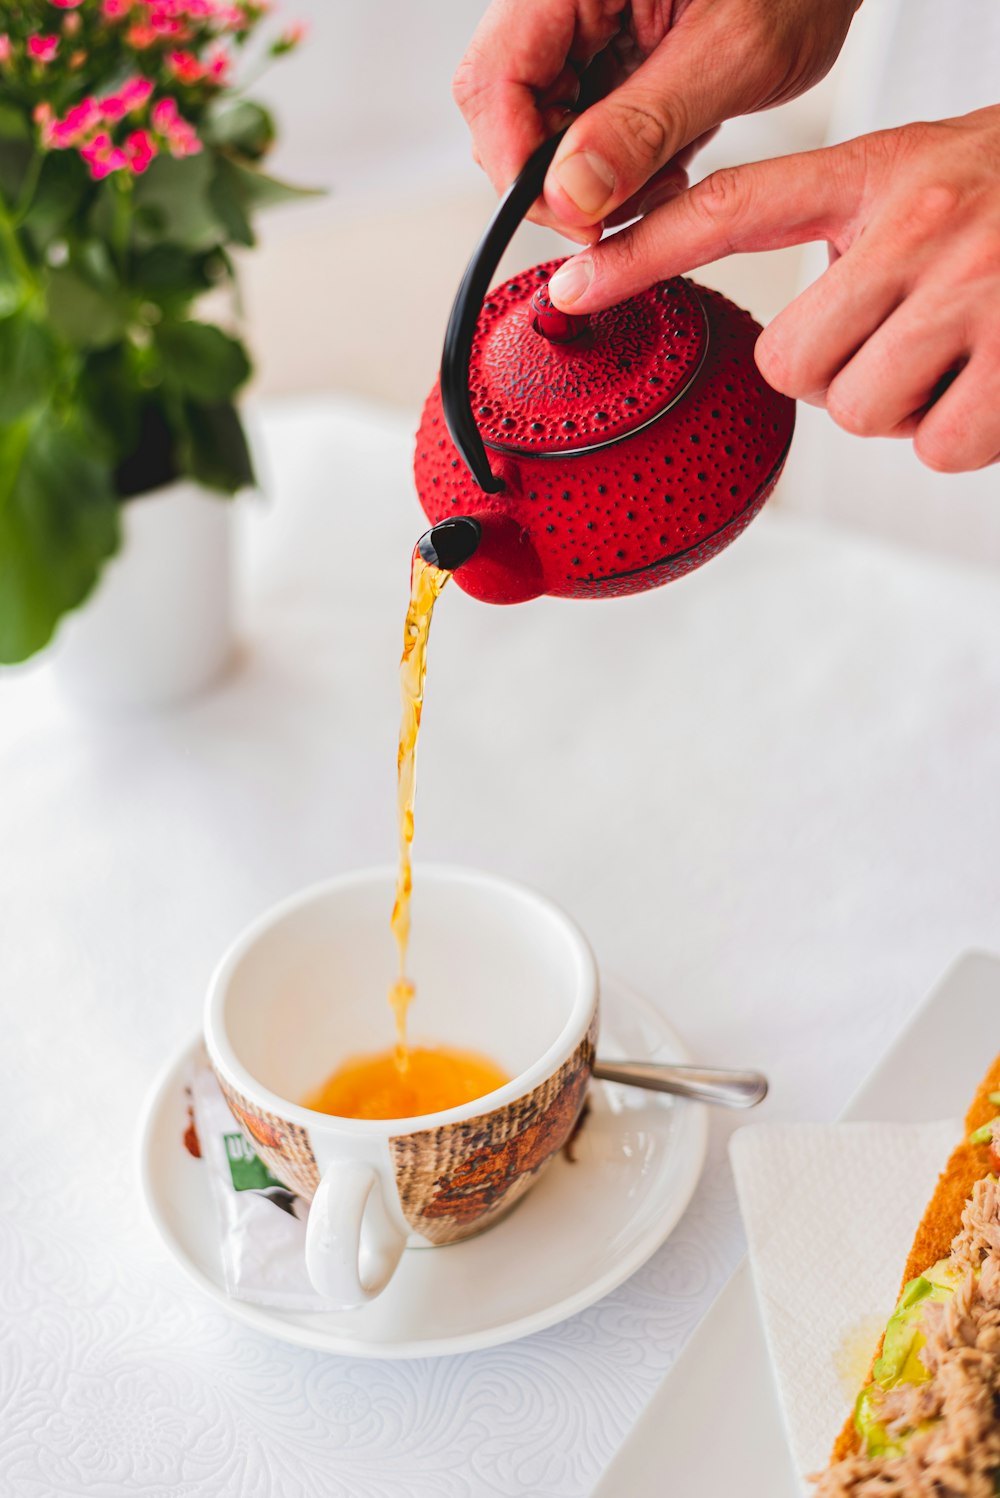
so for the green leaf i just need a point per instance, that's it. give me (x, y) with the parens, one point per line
(111, 396)
(14, 122)
(62, 185)
(13, 285)
(86, 315)
(166, 273)
(212, 447)
(227, 197)
(201, 361)
(241, 127)
(258, 190)
(29, 365)
(93, 259)
(15, 160)
(172, 204)
(58, 523)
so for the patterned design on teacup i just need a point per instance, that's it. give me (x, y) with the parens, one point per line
(461, 1178)
(283, 1146)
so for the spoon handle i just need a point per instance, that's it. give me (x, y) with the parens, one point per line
(706, 1084)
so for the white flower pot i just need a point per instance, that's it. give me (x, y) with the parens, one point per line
(159, 625)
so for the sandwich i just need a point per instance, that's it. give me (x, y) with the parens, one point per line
(927, 1422)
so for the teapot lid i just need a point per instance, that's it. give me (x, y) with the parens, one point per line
(543, 382)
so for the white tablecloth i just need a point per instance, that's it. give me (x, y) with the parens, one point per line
(769, 793)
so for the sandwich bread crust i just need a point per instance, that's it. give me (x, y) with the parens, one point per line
(942, 1221)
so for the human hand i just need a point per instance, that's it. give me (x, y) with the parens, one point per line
(667, 76)
(900, 337)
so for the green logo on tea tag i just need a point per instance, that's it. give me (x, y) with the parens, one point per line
(248, 1171)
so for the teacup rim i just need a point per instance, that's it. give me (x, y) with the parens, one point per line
(221, 1053)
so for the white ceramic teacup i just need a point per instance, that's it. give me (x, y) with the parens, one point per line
(498, 969)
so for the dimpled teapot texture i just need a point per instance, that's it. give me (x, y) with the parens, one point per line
(630, 454)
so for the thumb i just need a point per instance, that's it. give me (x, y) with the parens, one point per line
(763, 206)
(694, 79)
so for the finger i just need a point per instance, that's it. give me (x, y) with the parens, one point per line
(790, 200)
(562, 94)
(897, 371)
(802, 351)
(961, 431)
(517, 58)
(685, 156)
(667, 184)
(539, 214)
(662, 186)
(554, 119)
(696, 77)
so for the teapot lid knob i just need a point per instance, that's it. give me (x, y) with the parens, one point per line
(556, 326)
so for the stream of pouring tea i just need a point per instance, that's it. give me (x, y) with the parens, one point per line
(426, 583)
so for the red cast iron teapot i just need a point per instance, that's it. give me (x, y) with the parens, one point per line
(624, 449)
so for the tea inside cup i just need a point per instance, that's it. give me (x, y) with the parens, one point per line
(497, 969)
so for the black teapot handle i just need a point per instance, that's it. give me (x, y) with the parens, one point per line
(468, 303)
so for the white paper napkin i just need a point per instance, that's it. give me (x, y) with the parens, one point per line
(830, 1212)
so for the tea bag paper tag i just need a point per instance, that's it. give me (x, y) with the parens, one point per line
(261, 1224)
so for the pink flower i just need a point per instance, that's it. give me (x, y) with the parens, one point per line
(218, 62)
(43, 48)
(165, 115)
(180, 136)
(131, 96)
(169, 19)
(102, 156)
(4, 48)
(140, 36)
(288, 40)
(74, 125)
(135, 92)
(65, 4)
(183, 140)
(115, 10)
(82, 116)
(141, 149)
(112, 107)
(185, 67)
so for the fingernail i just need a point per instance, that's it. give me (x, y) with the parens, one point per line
(571, 280)
(586, 180)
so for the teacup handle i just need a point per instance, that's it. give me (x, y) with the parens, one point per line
(352, 1244)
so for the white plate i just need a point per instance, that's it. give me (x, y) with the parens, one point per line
(582, 1231)
(690, 1440)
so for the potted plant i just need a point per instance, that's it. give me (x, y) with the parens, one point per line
(130, 168)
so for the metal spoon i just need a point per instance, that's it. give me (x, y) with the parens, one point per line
(705, 1084)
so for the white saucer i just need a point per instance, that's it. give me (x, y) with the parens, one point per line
(584, 1229)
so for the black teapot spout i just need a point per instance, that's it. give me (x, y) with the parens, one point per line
(451, 543)
(492, 554)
